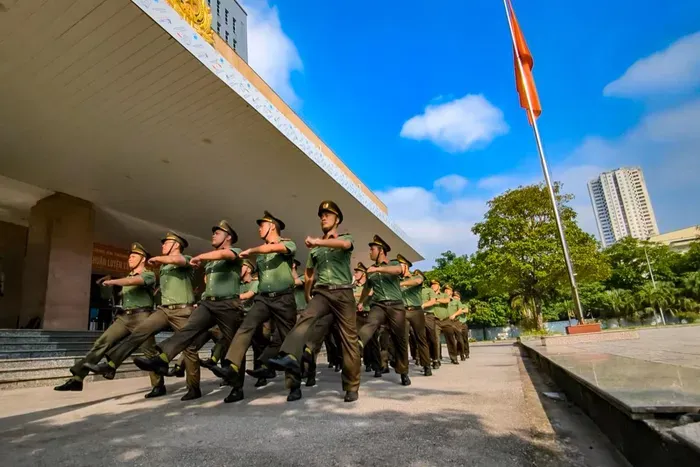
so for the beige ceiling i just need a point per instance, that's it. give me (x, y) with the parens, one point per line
(101, 103)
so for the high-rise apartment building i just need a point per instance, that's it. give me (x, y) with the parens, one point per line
(622, 205)
(230, 21)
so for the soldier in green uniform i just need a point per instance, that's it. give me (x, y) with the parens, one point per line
(220, 303)
(383, 278)
(461, 329)
(137, 305)
(177, 298)
(371, 353)
(411, 289)
(429, 297)
(274, 301)
(446, 307)
(299, 295)
(331, 295)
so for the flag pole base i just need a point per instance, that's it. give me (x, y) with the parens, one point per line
(584, 328)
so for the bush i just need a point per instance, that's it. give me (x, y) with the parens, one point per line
(689, 316)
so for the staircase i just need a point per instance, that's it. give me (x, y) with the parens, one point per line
(32, 358)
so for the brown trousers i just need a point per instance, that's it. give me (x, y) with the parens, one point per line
(371, 353)
(156, 322)
(122, 326)
(432, 336)
(314, 324)
(227, 315)
(281, 311)
(416, 318)
(446, 327)
(393, 314)
(462, 334)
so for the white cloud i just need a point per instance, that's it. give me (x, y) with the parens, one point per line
(271, 53)
(459, 125)
(451, 183)
(664, 144)
(675, 69)
(435, 226)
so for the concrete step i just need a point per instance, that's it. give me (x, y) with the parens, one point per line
(47, 339)
(41, 333)
(21, 345)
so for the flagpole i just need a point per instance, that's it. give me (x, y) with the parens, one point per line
(545, 171)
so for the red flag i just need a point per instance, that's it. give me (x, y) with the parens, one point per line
(528, 63)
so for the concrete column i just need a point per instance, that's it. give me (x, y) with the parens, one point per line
(13, 243)
(56, 276)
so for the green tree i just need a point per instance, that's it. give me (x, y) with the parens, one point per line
(655, 297)
(629, 267)
(691, 284)
(519, 250)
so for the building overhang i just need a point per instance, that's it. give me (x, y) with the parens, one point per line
(123, 104)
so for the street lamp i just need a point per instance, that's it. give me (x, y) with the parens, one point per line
(653, 282)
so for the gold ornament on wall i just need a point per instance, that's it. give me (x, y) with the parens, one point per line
(197, 14)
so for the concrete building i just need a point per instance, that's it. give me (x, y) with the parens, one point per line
(230, 22)
(124, 119)
(679, 240)
(622, 205)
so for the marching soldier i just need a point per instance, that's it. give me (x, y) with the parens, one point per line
(371, 351)
(177, 298)
(220, 303)
(411, 288)
(137, 305)
(299, 294)
(462, 330)
(429, 297)
(446, 307)
(383, 278)
(274, 301)
(330, 295)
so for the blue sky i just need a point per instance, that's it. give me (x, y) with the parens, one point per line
(619, 83)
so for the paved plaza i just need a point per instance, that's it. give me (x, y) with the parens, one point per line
(483, 412)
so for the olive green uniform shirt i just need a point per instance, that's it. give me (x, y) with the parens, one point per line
(428, 294)
(385, 286)
(412, 296)
(223, 277)
(176, 284)
(248, 287)
(300, 295)
(453, 306)
(462, 318)
(275, 269)
(440, 310)
(139, 296)
(357, 291)
(332, 265)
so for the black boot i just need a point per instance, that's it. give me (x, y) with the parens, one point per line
(262, 372)
(427, 371)
(378, 373)
(228, 374)
(454, 361)
(103, 369)
(338, 368)
(235, 395)
(156, 391)
(223, 383)
(351, 396)
(155, 364)
(405, 380)
(208, 363)
(311, 380)
(285, 363)
(261, 382)
(330, 365)
(176, 372)
(462, 357)
(386, 371)
(70, 385)
(294, 395)
(192, 393)
(368, 368)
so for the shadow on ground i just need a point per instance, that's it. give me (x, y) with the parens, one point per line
(265, 430)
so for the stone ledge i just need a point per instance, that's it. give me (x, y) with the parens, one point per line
(551, 341)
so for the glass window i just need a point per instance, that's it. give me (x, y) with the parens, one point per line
(225, 15)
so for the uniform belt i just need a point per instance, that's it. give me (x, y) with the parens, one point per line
(390, 302)
(276, 294)
(364, 314)
(135, 310)
(220, 299)
(177, 307)
(411, 308)
(334, 287)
